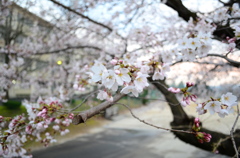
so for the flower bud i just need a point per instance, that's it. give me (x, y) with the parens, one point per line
(196, 120)
(174, 90)
(189, 84)
(117, 72)
(193, 97)
(114, 61)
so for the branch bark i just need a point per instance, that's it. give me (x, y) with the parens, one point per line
(84, 115)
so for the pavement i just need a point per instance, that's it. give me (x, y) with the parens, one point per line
(126, 137)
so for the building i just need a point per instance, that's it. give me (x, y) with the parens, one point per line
(14, 27)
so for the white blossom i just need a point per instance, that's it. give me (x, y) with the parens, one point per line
(213, 106)
(122, 76)
(140, 81)
(228, 99)
(130, 89)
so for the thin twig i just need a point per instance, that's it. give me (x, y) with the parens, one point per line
(84, 100)
(231, 133)
(163, 100)
(82, 15)
(166, 129)
(219, 143)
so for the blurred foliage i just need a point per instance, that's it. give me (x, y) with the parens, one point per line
(11, 112)
(12, 104)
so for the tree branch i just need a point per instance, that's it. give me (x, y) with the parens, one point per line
(230, 61)
(231, 133)
(83, 116)
(69, 47)
(183, 12)
(149, 124)
(83, 16)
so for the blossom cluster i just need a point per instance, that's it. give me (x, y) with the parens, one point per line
(133, 78)
(8, 71)
(42, 115)
(222, 106)
(187, 96)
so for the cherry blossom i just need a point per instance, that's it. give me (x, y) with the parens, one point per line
(122, 76)
(115, 55)
(141, 81)
(108, 79)
(213, 106)
(228, 99)
(174, 90)
(130, 89)
(102, 95)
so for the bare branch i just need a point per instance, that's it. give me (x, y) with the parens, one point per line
(83, 16)
(69, 47)
(231, 133)
(85, 99)
(230, 61)
(209, 63)
(147, 123)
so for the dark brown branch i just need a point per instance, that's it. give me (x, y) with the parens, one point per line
(179, 115)
(229, 3)
(183, 12)
(68, 48)
(83, 16)
(230, 61)
(207, 63)
(61, 50)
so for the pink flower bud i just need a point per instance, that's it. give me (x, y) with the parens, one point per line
(71, 116)
(207, 137)
(231, 40)
(187, 100)
(197, 124)
(52, 119)
(193, 97)
(183, 103)
(174, 90)
(189, 84)
(28, 129)
(75, 86)
(196, 120)
(117, 72)
(114, 61)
